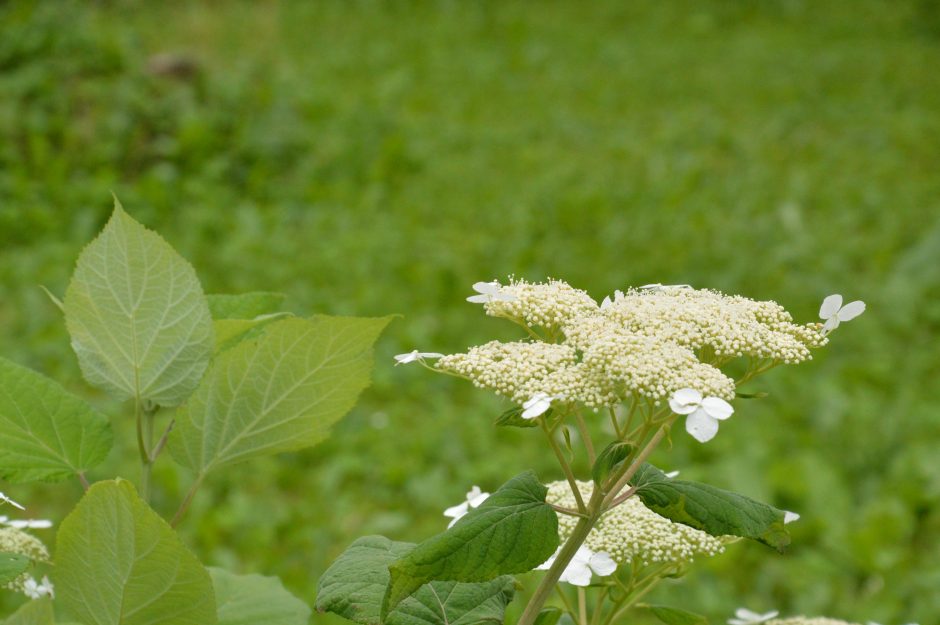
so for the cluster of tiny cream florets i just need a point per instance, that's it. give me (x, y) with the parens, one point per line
(808, 620)
(731, 325)
(548, 305)
(15, 540)
(631, 532)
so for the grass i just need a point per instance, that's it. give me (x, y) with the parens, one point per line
(368, 158)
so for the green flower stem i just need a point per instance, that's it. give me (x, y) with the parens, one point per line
(582, 607)
(613, 421)
(586, 436)
(564, 599)
(188, 499)
(564, 467)
(144, 434)
(624, 479)
(599, 606)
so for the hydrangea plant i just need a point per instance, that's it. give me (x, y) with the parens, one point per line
(644, 360)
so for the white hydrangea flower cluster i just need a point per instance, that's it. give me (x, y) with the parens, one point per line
(15, 540)
(548, 305)
(632, 532)
(648, 342)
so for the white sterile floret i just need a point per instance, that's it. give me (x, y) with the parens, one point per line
(631, 532)
(833, 312)
(547, 304)
(536, 406)
(743, 616)
(790, 517)
(5, 499)
(415, 356)
(489, 292)
(584, 563)
(704, 413)
(474, 498)
(15, 540)
(34, 524)
(38, 590)
(809, 620)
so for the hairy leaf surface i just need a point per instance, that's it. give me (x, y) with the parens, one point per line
(46, 433)
(136, 313)
(118, 563)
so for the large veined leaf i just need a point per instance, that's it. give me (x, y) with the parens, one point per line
(710, 509)
(37, 612)
(513, 531)
(136, 313)
(354, 587)
(119, 563)
(46, 433)
(277, 392)
(230, 332)
(12, 565)
(255, 600)
(244, 305)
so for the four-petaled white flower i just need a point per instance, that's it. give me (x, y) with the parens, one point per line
(746, 617)
(35, 524)
(657, 286)
(834, 313)
(537, 405)
(5, 499)
(582, 565)
(38, 590)
(474, 498)
(790, 517)
(414, 356)
(490, 292)
(704, 413)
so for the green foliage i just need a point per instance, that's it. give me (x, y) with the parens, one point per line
(279, 392)
(255, 600)
(46, 433)
(677, 616)
(609, 460)
(244, 305)
(355, 584)
(36, 612)
(549, 616)
(139, 321)
(710, 509)
(513, 531)
(119, 563)
(513, 418)
(11, 566)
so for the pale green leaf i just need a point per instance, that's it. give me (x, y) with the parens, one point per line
(12, 565)
(230, 332)
(710, 509)
(46, 433)
(255, 600)
(36, 612)
(119, 563)
(138, 319)
(245, 305)
(354, 587)
(513, 531)
(277, 392)
(549, 616)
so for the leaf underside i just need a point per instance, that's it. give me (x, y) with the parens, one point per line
(255, 600)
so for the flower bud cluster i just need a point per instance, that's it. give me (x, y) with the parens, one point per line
(15, 540)
(548, 305)
(631, 532)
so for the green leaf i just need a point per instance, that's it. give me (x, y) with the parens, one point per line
(513, 531)
(710, 509)
(138, 319)
(245, 305)
(548, 616)
(36, 612)
(758, 395)
(513, 418)
(277, 392)
(255, 599)
(610, 459)
(676, 616)
(230, 332)
(118, 563)
(46, 433)
(12, 565)
(355, 584)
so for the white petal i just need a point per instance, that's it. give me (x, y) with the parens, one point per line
(672, 474)
(851, 310)
(766, 616)
(487, 288)
(476, 501)
(717, 407)
(536, 406)
(790, 517)
(605, 303)
(685, 401)
(701, 426)
(831, 324)
(746, 614)
(479, 299)
(548, 563)
(649, 287)
(409, 357)
(602, 564)
(430, 355)
(737, 621)
(830, 306)
(577, 574)
(457, 511)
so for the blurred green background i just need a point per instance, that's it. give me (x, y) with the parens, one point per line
(368, 158)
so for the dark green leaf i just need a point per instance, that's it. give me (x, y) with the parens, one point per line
(244, 305)
(513, 418)
(513, 531)
(12, 565)
(759, 395)
(610, 459)
(354, 587)
(548, 616)
(676, 616)
(710, 509)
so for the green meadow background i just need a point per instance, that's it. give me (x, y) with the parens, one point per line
(370, 158)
